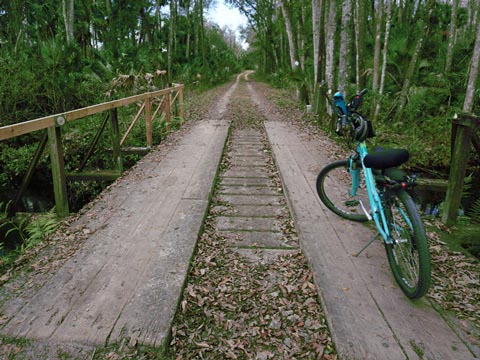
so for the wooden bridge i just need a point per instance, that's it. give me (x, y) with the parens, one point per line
(126, 279)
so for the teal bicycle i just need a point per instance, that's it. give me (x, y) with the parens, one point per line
(371, 187)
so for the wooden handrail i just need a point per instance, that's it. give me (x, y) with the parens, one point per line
(53, 122)
(462, 129)
(10, 131)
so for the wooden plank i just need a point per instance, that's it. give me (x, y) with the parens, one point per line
(58, 171)
(26, 127)
(94, 298)
(104, 175)
(168, 111)
(180, 103)
(10, 131)
(148, 121)
(132, 124)
(437, 185)
(366, 310)
(136, 150)
(358, 327)
(210, 134)
(159, 108)
(94, 143)
(117, 153)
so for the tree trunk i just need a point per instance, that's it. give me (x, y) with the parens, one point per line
(68, 19)
(187, 45)
(344, 47)
(319, 63)
(301, 39)
(451, 36)
(316, 37)
(171, 40)
(384, 60)
(202, 38)
(376, 55)
(288, 26)
(413, 61)
(330, 45)
(360, 41)
(468, 103)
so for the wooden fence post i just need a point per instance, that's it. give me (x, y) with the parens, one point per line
(117, 152)
(148, 121)
(463, 128)
(168, 111)
(58, 168)
(180, 103)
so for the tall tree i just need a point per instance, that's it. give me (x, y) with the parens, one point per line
(330, 45)
(451, 36)
(290, 35)
(316, 13)
(318, 20)
(376, 56)
(360, 41)
(468, 103)
(344, 47)
(421, 34)
(384, 59)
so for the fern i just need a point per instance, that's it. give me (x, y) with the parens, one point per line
(15, 224)
(40, 228)
(474, 212)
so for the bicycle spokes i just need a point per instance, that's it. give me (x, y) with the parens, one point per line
(403, 244)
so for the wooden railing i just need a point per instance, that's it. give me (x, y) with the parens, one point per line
(463, 137)
(162, 101)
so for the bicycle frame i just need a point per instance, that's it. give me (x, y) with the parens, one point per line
(376, 206)
(388, 188)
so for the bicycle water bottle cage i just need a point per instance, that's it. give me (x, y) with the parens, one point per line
(386, 158)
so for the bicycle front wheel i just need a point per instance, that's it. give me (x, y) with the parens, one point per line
(334, 185)
(408, 254)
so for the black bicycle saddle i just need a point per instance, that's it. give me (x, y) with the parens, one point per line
(384, 159)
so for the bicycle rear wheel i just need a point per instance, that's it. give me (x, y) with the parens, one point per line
(408, 255)
(334, 184)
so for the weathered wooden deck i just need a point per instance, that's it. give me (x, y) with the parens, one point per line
(127, 278)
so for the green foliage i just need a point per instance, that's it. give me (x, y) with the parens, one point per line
(279, 79)
(14, 162)
(25, 230)
(15, 225)
(31, 230)
(474, 213)
(40, 228)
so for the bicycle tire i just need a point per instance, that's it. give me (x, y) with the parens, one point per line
(408, 256)
(333, 188)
